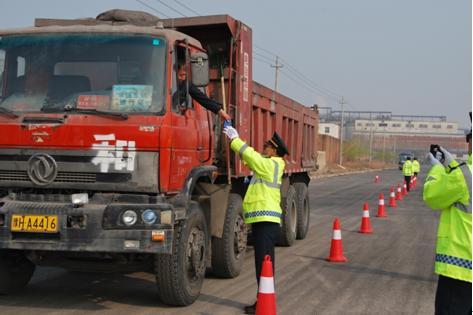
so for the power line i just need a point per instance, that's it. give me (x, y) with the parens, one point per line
(304, 84)
(170, 7)
(262, 56)
(152, 8)
(187, 7)
(300, 74)
(305, 77)
(261, 60)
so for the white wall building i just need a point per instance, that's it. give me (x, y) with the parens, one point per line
(406, 127)
(332, 130)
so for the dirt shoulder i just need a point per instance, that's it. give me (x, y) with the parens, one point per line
(350, 168)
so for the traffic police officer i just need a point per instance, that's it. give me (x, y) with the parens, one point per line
(262, 202)
(449, 189)
(415, 167)
(407, 171)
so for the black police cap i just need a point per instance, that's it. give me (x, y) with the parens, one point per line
(279, 144)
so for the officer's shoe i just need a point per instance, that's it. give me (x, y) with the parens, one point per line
(250, 309)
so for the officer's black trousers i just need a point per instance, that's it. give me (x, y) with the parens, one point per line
(408, 182)
(264, 235)
(453, 297)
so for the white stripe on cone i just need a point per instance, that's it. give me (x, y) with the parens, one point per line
(337, 235)
(266, 285)
(381, 202)
(366, 214)
(393, 194)
(399, 189)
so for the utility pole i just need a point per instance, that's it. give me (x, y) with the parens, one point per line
(371, 137)
(342, 103)
(276, 75)
(384, 143)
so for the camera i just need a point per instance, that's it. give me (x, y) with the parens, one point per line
(437, 153)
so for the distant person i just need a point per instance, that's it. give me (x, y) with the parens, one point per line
(179, 97)
(407, 172)
(448, 188)
(262, 202)
(415, 167)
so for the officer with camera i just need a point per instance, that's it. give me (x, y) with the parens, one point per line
(448, 189)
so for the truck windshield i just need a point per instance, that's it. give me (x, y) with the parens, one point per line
(57, 72)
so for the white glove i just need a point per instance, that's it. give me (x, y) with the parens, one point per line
(448, 156)
(230, 132)
(432, 160)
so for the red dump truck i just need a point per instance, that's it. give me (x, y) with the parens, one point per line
(100, 169)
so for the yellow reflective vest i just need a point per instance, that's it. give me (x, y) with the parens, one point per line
(415, 166)
(262, 202)
(407, 168)
(449, 189)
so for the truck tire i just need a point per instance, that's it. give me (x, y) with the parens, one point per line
(303, 210)
(228, 252)
(289, 218)
(15, 272)
(179, 276)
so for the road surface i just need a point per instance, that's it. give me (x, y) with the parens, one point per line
(388, 272)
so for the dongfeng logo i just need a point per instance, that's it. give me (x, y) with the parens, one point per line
(42, 169)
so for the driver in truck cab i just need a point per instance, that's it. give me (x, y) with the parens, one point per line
(180, 95)
(30, 90)
(261, 205)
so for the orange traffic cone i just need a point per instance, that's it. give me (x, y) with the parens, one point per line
(377, 179)
(404, 189)
(336, 248)
(399, 192)
(414, 181)
(365, 220)
(266, 301)
(392, 198)
(381, 212)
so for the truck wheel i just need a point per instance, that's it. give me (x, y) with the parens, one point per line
(289, 218)
(15, 272)
(228, 252)
(179, 276)
(303, 210)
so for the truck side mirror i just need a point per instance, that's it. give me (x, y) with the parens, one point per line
(200, 69)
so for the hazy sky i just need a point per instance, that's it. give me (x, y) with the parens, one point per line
(404, 56)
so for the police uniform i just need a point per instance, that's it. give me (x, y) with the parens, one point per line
(262, 202)
(415, 167)
(449, 189)
(407, 171)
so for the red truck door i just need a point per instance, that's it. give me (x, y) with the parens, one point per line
(187, 140)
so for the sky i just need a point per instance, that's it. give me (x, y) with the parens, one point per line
(411, 57)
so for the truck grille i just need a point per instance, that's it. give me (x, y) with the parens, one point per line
(62, 177)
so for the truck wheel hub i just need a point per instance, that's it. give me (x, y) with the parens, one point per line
(239, 241)
(196, 252)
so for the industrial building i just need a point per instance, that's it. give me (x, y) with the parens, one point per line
(383, 131)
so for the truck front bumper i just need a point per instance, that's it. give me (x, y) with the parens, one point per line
(91, 228)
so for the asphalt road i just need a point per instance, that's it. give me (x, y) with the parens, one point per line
(388, 272)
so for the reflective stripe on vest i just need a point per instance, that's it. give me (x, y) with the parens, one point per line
(263, 213)
(467, 175)
(452, 260)
(242, 149)
(274, 184)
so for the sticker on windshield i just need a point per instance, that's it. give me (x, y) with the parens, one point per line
(132, 98)
(93, 101)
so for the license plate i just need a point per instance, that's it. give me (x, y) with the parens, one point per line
(34, 223)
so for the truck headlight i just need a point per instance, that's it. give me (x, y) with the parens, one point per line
(149, 216)
(129, 217)
(79, 199)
